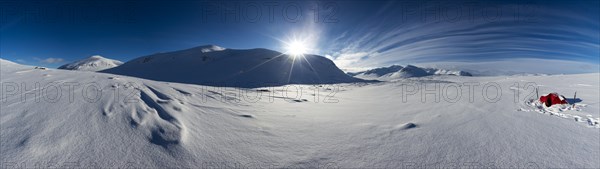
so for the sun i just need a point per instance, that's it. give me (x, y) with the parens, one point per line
(296, 48)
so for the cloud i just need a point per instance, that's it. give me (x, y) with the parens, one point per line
(352, 56)
(51, 60)
(345, 59)
(553, 33)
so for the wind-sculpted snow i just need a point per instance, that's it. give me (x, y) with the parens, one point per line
(170, 132)
(216, 66)
(114, 121)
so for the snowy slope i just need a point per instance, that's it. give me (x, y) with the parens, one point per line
(152, 124)
(213, 65)
(6, 65)
(397, 72)
(93, 63)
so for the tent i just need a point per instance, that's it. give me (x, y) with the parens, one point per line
(552, 99)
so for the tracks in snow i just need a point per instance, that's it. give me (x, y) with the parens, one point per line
(565, 111)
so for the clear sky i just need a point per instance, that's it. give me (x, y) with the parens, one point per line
(355, 34)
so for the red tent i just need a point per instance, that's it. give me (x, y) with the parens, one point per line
(552, 99)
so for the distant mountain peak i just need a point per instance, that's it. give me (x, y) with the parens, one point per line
(96, 57)
(397, 71)
(379, 71)
(92, 63)
(411, 66)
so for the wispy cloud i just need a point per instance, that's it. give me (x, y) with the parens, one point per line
(346, 59)
(553, 33)
(51, 60)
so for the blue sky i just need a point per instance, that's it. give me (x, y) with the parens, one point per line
(355, 34)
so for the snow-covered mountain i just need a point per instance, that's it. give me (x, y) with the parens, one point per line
(378, 71)
(93, 63)
(435, 71)
(409, 71)
(213, 65)
(397, 72)
(139, 123)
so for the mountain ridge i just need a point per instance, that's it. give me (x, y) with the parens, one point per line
(217, 66)
(396, 71)
(92, 63)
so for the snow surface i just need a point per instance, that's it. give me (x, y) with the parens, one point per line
(217, 66)
(93, 63)
(153, 124)
(395, 72)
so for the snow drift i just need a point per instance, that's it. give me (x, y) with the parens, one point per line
(217, 66)
(93, 63)
(151, 124)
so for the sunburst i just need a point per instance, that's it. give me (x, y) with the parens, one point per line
(296, 48)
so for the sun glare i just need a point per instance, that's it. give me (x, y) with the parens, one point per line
(296, 48)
